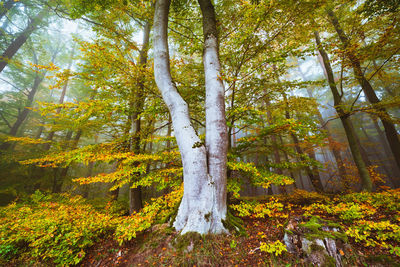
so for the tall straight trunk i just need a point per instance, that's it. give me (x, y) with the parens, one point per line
(86, 187)
(345, 119)
(13, 48)
(203, 206)
(334, 150)
(39, 131)
(377, 154)
(285, 155)
(277, 157)
(395, 171)
(216, 130)
(59, 179)
(60, 101)
(313, 174)
(5, 6)
(390, 130)
(135, 194)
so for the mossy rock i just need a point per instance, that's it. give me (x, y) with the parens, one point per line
(314, 229)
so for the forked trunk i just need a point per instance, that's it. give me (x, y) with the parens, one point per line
(203, 206)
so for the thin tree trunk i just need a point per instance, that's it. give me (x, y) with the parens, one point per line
(86, 187)
(135, 194)
(334, 150)
(390, 130)
(277, 157)
(59, 180)
(345, 119)
(285, 155)
(203, 206)
(25, 112)
(60, 101)
(314, 176)
(21, 39)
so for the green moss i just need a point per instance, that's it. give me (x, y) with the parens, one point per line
(314, 229)
(181, 242)
(329, 261)
(234, 224)
(313, 224)
(316, 247)
(288, 231)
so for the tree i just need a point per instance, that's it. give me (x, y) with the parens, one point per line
(344, 117)
(203, 206)
(16, 44)
(5, 6)
(390, 130)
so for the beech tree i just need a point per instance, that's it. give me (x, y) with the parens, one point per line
(203, 206)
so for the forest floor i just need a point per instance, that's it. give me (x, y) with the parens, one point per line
(370, 224)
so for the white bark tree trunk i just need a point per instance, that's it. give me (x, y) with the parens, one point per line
(203, 205)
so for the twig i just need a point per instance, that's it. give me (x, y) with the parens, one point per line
(386, 61)
(355, 100)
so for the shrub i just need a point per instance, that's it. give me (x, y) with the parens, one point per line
(51, 227)
(373, 234)
(276, 247)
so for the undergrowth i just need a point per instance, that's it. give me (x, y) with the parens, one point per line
(59, 229)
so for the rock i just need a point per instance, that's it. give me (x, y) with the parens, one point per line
(314, 242)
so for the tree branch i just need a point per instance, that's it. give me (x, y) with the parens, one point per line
(386, 61)
(5, 120)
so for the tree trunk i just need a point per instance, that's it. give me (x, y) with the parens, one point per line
(216, 130)
(334, 150)
(60, 101)
(86, 187)
(277, 157)
(135, 194)
(203, 206)
(312, 174)
(25, 112)
(285, 155)
(6, 5)
(21, 39)
(345, 119)
(390, 130)
(59, 180)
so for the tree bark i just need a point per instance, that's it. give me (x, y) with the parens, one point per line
(6, 5)
(60, 101)
(86, 187)
(59, 180)
(25, 112)
(203, 206)
(135, 194)
(334, 150)
(345, 119)
(13, 48)
(277, 157)
(390, 130)
(216, 130)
